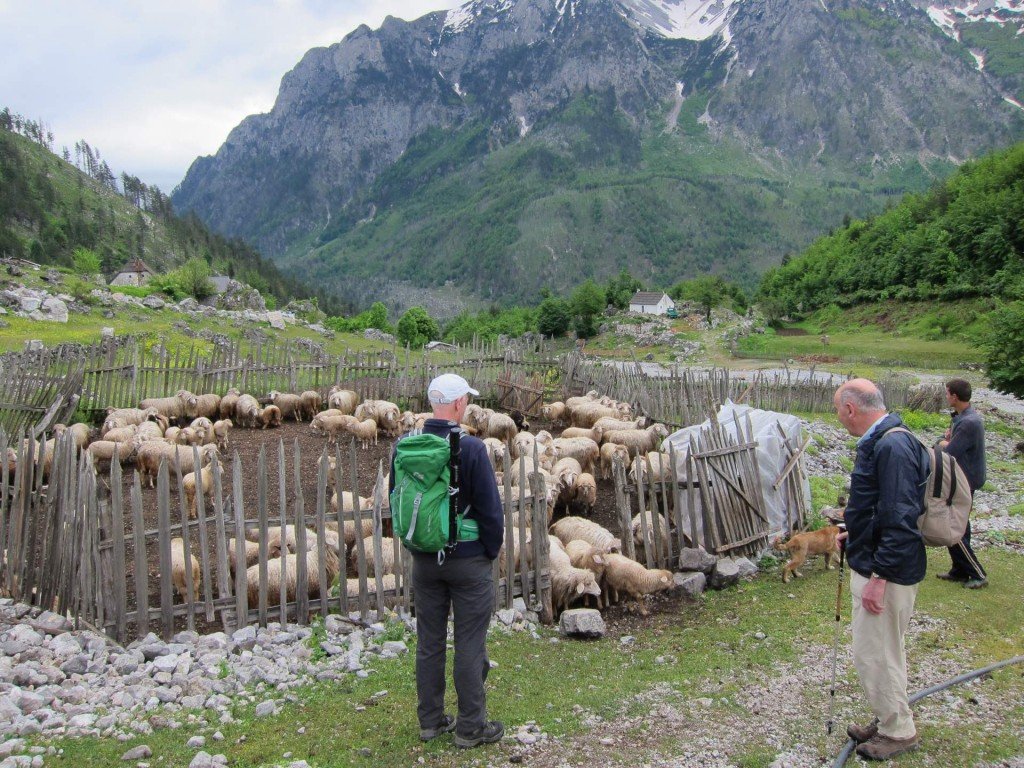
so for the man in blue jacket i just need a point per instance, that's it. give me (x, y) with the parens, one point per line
(887, 562)
(461, 582)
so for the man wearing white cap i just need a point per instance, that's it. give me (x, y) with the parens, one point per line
(461, 581)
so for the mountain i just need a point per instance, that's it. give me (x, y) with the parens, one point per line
(510, 145)
(50, 207)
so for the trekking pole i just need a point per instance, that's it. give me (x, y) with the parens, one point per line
(835, 642)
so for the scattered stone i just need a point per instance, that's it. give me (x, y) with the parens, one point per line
(725, 573)
(696, 559)
(691, 584)
(266, 709)
(745, 568)
(582, 622)
(140, 752)
(153, 302)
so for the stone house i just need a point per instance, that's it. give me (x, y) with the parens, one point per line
(650, 303)
(136, 273)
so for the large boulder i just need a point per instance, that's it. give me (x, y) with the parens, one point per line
(725, 573)
(690, 584)
(276, 320)
(153, 302)
(582, 622)
(238, 296)
(696, 559)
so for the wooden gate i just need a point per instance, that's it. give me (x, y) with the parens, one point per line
(519, 391)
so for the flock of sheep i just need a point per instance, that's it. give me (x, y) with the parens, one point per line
(586, 560)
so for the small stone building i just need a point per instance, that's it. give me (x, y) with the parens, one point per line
(650, 303)
(136, 272)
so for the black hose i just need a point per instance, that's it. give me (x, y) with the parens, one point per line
(850, 745)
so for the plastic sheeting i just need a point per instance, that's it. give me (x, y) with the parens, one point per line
(771, 454)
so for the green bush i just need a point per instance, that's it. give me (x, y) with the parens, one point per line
(416, 327)
(1005, 346)
(85, 261)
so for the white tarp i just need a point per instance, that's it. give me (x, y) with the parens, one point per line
(771, 455)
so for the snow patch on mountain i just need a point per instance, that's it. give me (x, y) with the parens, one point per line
(682, 19)
(949, 16)
(459, 19)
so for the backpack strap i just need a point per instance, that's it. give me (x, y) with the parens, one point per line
(454, 448)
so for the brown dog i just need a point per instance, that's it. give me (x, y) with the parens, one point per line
(804, 545)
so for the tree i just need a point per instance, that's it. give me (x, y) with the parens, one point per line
(587, 303)
(416, 327)
(194, 278)
(621, 289)
(377, 317)
(1005, 345)
(707, 290)
(85, 262)
(553, 316)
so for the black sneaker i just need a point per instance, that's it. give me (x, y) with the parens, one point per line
(950, 576)
(488, 733)
(447, 725)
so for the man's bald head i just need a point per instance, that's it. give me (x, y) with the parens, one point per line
(859, 404)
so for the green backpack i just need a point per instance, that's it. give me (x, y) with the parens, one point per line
(425, 501)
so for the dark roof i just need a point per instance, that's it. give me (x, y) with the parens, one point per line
(137, 265)
(646, 297)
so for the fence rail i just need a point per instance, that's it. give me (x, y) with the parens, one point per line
(113, 555)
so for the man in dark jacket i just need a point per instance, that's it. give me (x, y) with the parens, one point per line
(965, 442)
(462, 581)
(887, 562)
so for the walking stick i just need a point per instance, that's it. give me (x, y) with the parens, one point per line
(835, 642)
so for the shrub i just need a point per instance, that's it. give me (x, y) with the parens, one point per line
(85, 262)
(416, 327)
(1005, 346)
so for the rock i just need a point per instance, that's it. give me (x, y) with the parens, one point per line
(188, 304)
(506, 616)
(276, 320)
(77, 665)
(167, 663)
(30, 303)
(54, 310)
(204, 760)
(245, 638)
(337, 625)
(140, 752)
(33, 345)
(153, 302)
(582, 622)
(376, 334)
(696, 559)
(196, 742)
(691, 584)
(65, 646)
(266, 709)
(746, 568)
(238, 296)
(54, 622)
(725, 573)
(396, 647)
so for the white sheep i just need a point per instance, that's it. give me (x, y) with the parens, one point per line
(365, 432)
(638, 441)
(661, 467)
(221, 430)
(568, 583)
(178, 570)
(311, 403)
(290, 405)
(205, 482)
(584, 493)
(270, 416)
(247, 412)
(554, 412)
(289, 563)
(644, 546)
(344, 400)
(583, 449)
(496, 451)
(202, 406)
(572, 527)
(333, 424)
(594, 433)
(152, 452)
(624, 575)
(228, 404)
(609, 452)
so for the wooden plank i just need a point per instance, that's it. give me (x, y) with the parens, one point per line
(282, 498)
(164, 521)
(119, 573)
(223, 565)
(186, 538)
(338, 485)
(321, 530)
(241, 584)
(378, 530)
(261, 472)
(206, 581)
(302, 565)
(360, 548)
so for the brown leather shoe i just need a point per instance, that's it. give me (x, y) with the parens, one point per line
(861, 733)
(881, 747)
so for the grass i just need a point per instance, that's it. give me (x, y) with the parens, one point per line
(557, 684)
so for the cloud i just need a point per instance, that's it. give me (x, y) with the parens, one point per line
(154, 85)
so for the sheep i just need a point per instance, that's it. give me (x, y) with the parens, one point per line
(203, 422)
(573, 403)
(220, 433)
(103, 451)
(228, 403)
(523, 443)
(571, 527)
(352, 586)
(247, 411)
(502, 427)
(81, 434)
(124, 417)
(661, 467)
(624, 575)
(290, 405)
(291, 540)
(289, 563)
(191, 436)
(121, 434)
(644, 546)
(12, 461)
(554, 412)
(583, 449)
(270, 416)
(407, 422)
(178, 570)
(568, 584)
(311, 403)
(516, 552)
(171, 434)
(365, 432)
(609, 452)
(344, 400)
(638, 441)
(587, 416)
(584, 493)
(594, 433)
(565, 472)
(205, 482)
(252, 554)
(387, 562)
(385, 413)
(150, 430)
(202, 406)
(171, 407)
(607, 424)
(333, 425)
(349, 535)
(583, 554)
(496, 451)
(152, 452)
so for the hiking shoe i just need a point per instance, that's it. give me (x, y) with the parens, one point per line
(488, 733)
(881, 747)
(862, 733)
(976, 583)
(447, 725)
(950, 576)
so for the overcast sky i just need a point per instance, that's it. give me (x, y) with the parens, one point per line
(154, 84)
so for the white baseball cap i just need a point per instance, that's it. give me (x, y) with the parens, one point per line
(447, 388)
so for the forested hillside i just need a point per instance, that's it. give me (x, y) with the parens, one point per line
(964, 238)
(52, 206)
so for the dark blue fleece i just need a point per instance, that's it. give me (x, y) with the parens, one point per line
(887, 489)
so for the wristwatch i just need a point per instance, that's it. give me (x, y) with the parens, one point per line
(876, 576)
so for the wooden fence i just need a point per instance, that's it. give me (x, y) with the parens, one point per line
(41, 387)
(715, 501)
(100, 546)
(688, 396)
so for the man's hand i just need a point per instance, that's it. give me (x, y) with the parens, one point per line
(873, 596)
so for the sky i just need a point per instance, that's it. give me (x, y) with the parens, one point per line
(152, 85)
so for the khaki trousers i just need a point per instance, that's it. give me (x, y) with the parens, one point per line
(879, 655)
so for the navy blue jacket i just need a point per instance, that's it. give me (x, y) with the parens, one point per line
(887, 489)
(477, 489)
(967, 446)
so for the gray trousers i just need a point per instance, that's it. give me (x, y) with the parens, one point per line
(467, 586)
